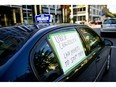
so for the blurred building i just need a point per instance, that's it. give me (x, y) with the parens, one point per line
(54, 10)
(86, 13)
(27, 11)
(66, 12)
(10, 15)
(18, 14)
(30, 11)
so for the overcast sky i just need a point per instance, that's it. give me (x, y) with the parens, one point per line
(112, 8)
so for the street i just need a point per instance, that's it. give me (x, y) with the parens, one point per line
(111, 75)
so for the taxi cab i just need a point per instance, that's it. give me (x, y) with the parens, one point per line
(52, 52)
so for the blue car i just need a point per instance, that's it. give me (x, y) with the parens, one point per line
(52, 53)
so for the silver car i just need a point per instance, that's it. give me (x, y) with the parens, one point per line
(108, 26)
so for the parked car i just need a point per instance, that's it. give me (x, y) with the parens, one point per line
(52, 52)
(92, 22)
(98, 22)
(108, 26)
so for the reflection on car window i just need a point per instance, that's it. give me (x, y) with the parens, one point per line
(91, 38)
(110, 21)
(11, 39)
(46, 63)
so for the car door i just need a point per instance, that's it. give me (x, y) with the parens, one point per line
(96, 47)
(52, 62)
(44, 58)
(70, 52)
(89, 73)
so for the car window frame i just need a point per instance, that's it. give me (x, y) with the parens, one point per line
(40, 41)
(66, 29)
(87, 45)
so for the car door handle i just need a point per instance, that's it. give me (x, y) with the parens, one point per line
(97, 59)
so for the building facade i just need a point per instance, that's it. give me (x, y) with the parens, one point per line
(10, 15)
(54, 10)
(30, 11)
(19, 14)
(86, 13)
(27, 14)
(95, 12)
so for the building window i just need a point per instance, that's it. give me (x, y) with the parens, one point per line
(29, 7)
(90, 11)
(81, 18)
(51, 6)
(75, 18)
(44, 5)
(81, 9)
(75, 11)
(84, 9)
(93, 11)
(74, 5)
(98, 13)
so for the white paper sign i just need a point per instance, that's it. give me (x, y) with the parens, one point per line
(68, 48)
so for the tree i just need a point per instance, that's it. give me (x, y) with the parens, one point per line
(66, 12)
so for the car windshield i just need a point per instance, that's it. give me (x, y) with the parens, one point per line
(110, 21)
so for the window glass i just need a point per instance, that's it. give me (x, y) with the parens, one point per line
(81, 18)
(45, 63)
(81, 9)
(84, 8)
(11, 40)
(91, 38)
(106, 21)
(74, 5)
(75, 11)
(110, 21)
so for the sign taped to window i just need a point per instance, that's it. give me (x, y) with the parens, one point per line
(68, 48)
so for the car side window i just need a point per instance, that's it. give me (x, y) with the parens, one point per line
(91, 38)
(68, 47)
(106, 21)
(45, 63)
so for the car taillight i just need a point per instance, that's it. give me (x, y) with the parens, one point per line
(97, 23)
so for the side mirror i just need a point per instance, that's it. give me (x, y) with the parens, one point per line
(108, 42)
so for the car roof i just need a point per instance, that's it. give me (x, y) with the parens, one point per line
(13, 36)
(29, 29)
(109, 18)
(26, 31)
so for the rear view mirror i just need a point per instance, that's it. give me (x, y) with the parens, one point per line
(108, 42)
